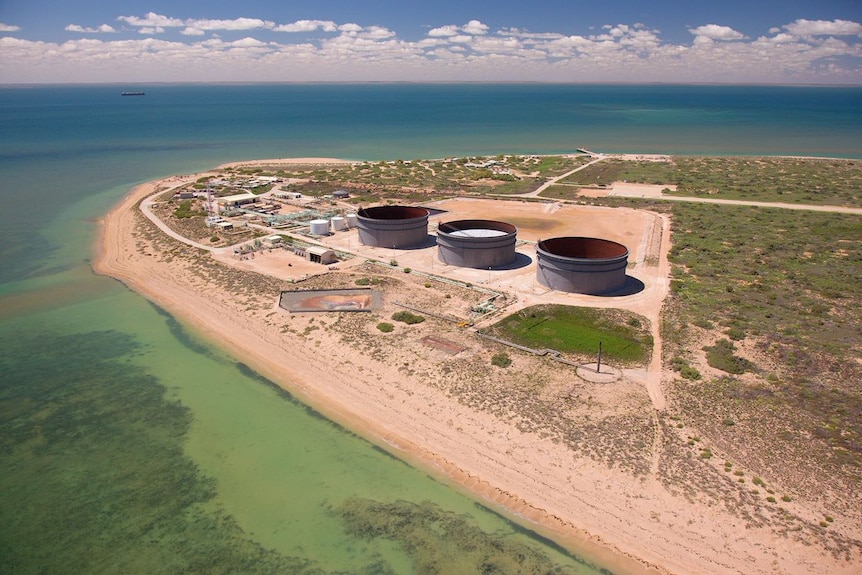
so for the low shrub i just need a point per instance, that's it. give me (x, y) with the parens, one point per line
(407, 317)
(721, 356)
(501, 359)
(685, 370)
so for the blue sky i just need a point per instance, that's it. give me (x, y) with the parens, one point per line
(762, 41)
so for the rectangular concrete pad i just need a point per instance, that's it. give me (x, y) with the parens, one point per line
(363, 299)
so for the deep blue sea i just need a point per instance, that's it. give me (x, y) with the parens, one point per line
(81, 356)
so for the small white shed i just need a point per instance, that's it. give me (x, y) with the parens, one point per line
(273, 240)
(320, 255)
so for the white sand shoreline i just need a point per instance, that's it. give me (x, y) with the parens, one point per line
(627, 524)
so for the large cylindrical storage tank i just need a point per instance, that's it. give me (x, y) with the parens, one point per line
(319, 227)
(393, 226)
(582, 265)
(480, 244)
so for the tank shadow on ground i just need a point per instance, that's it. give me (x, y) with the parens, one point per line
(631, 287)
(521, 261)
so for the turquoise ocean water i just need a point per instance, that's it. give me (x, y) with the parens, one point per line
(130, 445)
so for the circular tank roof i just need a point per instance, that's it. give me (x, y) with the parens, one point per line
(478, 233)
(476, 228)
(583, 248)
(393, 213)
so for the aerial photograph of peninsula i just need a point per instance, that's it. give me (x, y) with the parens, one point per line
(442, 288)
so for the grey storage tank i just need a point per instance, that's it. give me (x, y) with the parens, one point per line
(393, 226)
(480, 244)
(582, 265)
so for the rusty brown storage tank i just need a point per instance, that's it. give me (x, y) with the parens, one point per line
(480, 244)
(582, 265)
(393, 226)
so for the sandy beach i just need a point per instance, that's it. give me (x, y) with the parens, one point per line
(629, 521)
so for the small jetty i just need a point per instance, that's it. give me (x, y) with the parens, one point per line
(133, 93)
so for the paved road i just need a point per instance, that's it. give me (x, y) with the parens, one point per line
(147, 210)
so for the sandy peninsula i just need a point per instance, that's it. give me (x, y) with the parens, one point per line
(621, 510)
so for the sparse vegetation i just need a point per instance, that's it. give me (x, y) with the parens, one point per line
(185, 209)
(789, 180)
(721, 356)
(685, 370)
(407, 317)
(501, 359)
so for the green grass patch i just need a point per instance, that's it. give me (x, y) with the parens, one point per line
(578, 330)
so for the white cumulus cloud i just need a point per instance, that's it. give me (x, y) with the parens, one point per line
(103, 29)
(824, 28)
(475, 28)
(717, 32)
(350, 28)
(803, 51)
(377, 33)
(152, 21)
(9, 27)
(235, 24)
(472, 28)
(444, 31)
(248, 43)
(308, 26)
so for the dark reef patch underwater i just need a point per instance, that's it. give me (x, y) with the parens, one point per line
(93, 484)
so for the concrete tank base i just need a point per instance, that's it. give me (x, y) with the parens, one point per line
(479, 244)
(589, 266)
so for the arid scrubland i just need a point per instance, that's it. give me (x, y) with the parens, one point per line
(761, 332)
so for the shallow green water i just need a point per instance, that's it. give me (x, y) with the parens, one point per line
(147, 450)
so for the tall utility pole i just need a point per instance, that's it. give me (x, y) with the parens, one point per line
(599, 363)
